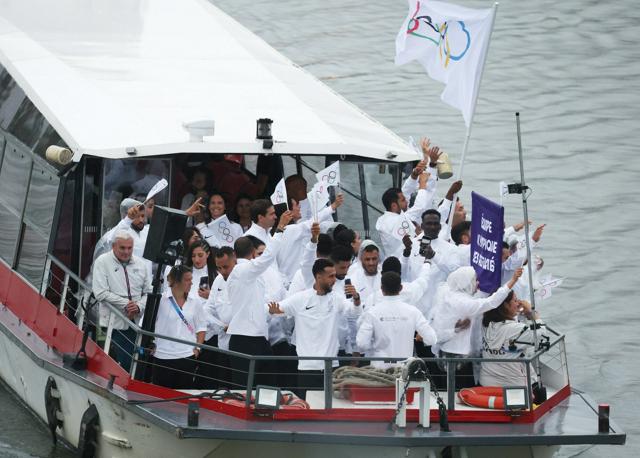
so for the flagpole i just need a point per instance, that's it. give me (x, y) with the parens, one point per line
(465, 146)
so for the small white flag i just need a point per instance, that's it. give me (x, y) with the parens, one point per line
(451, 43)
(402, 226)
(279, 195)
(318, 198)
(159, 186)
(547, 284)
(504, 192)
(416, 148)
(330, 176)
(223, 231)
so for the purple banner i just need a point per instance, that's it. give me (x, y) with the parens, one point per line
(487, 231)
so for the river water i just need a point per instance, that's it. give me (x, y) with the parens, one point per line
(572, 69)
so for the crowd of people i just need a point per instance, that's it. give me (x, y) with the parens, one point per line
(265, 279)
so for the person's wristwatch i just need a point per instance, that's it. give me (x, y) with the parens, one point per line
(279, 229)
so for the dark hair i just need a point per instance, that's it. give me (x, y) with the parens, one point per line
(341, 253)
(233, 216)
(259, 208)
(333, 231)
(208, 218)
(255, 241)
(211, 263)
(325, 245)
(498, 314)
(345, 237)
(390, 196)
(431, 211)
(186, 235)
(392, 264)
(225, 251)
(293, 178)
(243, 247)
(505, 245)
(177, 273)
(204, 171)
(320, 265)
(458, 231)
(390, 283)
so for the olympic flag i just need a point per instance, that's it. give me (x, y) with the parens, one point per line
(330, 176)
(279, 195)
(451, 42)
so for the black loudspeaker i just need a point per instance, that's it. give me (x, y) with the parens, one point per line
(167, 226)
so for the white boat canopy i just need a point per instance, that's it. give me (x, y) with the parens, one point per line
(116, 74)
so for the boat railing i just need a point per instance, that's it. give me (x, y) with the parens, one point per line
(217, 368)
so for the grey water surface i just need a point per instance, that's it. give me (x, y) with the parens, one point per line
(572, 69)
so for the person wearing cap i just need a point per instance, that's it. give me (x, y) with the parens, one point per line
(122, 280)
(411, 292)
(388, 329)
(317, 312)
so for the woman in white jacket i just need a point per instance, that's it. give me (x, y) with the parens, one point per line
(504, 337)
(455, 303)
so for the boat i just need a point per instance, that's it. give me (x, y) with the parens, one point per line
(125, 91)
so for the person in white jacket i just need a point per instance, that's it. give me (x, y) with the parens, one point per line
(388, 329)
(248, 327)
(123, 281)
(317, 313)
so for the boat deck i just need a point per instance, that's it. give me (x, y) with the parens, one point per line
(572, 421)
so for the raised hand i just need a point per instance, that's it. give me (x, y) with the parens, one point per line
(538, 233)
(315, 232)
(418, 169)
(285, 219)
(454, 189)
(338, 202)
(195, 207)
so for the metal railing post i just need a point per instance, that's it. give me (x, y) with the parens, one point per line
(45, 276)
(107, 340)
(63, 296)
(529, 384)
(451, 385)
(328, 384)
(250, 378)
(135, 355)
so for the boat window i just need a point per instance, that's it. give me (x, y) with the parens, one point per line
(20, 117)
(14, 179)
(130, 177)
(37, 221)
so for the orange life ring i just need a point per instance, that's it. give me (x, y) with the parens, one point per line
(487, 397)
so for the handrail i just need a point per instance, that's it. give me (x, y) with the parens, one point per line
(327, 360)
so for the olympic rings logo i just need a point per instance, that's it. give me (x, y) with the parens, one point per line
(279, 196)
(225, 232)
(403, 229)
(330, 178)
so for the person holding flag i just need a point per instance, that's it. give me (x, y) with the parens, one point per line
(397, 220)
(217, 229)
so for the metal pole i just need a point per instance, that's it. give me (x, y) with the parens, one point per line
(526, 231)
(465, 146)
(328, 384)
(363, 195)
(451, 385)
(250, 377)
